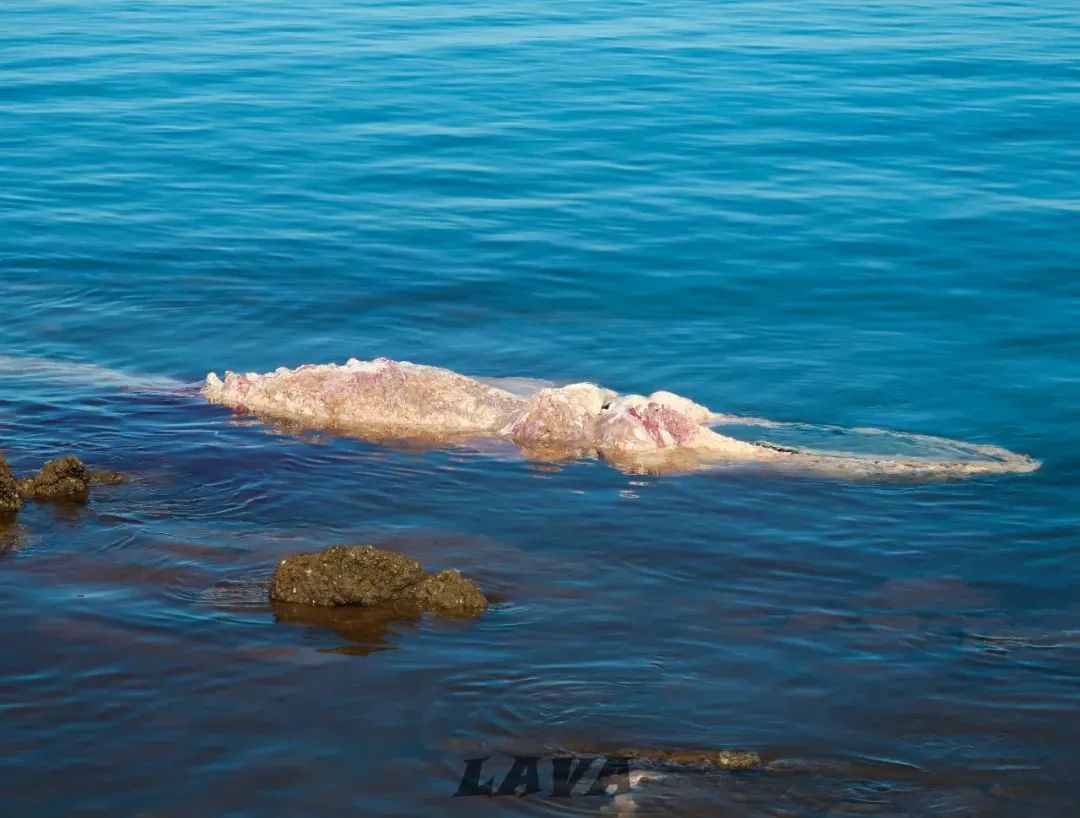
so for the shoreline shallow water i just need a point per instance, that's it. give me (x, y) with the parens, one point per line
(567, 657)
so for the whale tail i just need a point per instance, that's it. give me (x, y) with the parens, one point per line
(879, 453)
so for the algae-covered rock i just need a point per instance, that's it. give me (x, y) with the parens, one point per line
(65, 479)
(344, 575)
(60, 479)
(447, 593)
(10, 501)
(362, 575)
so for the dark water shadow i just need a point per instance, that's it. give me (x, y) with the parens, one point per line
(10, 534)
(367, 629)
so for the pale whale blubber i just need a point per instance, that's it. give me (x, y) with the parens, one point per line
(383, 399)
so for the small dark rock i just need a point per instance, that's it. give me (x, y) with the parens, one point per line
(62, 468)
(65, 479)
(10, 500)
(344, 575)
(70, 489)
(447, 593)
(60, 479)
(701, 759)
(718, 759)
(361, 575)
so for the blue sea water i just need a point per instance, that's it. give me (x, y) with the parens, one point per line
(859, 214)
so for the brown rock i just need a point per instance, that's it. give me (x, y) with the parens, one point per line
(447, 593)
(60, 479)
(65, 479)
(344, 575)
(10, 501)
(361, 575)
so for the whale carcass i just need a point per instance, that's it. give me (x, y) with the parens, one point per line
(385, 399)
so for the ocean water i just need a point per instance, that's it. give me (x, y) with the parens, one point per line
(849, 214)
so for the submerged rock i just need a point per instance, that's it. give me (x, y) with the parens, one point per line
(10, 501)
(103, 477)
(711, 759)
(366, 576)
(692, 758)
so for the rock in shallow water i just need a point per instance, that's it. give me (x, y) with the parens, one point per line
(103, 477)
(696, 758)
(10, 501)
(365, 575)
(65, 479)
(447, 593)
(344, 575)
(60, 479)
(714, 759)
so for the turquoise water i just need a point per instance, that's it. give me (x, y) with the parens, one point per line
(830, 213)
